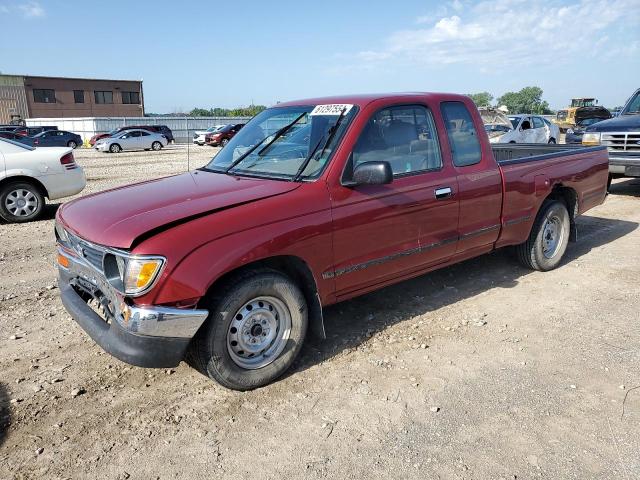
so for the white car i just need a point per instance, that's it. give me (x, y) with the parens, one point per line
(518, 128)
(28, 175)
(198, 135)
(132, 140)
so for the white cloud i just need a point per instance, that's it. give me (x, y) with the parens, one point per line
(511, 32)
(32, 10)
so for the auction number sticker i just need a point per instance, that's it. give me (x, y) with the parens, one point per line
(331, 109)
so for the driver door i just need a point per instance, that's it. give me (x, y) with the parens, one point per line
(382, 232)
(527, 132)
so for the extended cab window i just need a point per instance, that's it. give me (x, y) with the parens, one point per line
(405, 136)
(463, 138)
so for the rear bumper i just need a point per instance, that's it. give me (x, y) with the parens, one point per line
(65, 184)
(152, 337)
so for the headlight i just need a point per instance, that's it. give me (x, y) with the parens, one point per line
(591, 138)
(62, 233)
(131, 274)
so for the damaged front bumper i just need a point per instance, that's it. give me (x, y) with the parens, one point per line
(145, 336)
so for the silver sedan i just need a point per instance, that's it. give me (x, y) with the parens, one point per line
(132, 140)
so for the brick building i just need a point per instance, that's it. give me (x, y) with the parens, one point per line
(59, 97)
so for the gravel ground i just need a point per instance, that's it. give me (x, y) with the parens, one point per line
(483, 370)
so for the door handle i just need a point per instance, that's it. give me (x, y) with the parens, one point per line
(444, 192)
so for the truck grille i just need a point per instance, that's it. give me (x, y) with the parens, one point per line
(622, 142)
(89, 252)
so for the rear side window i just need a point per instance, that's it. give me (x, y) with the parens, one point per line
(405, 136)
(463, 138)
(537, 122)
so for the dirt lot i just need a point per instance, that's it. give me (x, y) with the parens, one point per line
(480, 371)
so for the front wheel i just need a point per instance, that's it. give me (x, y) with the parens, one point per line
(224, 142)
(156, 146)
(548, 239)
(20, 202)
(115, 148)
(255, 330)
(552, 140)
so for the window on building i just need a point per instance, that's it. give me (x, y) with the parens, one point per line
(131, 98)
(44, 95)
(103, 97)
(78, 96)
(462, 134)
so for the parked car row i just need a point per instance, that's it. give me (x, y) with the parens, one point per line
(42, 137)
(222, 136)
(199, 135)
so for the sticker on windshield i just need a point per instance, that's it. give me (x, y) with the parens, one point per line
(331, 109)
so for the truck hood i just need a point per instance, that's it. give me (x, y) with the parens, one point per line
(623, 123)
(117, 217)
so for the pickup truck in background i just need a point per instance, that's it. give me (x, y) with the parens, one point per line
(313, 202)
(621, 136)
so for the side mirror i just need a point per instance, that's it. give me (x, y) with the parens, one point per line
(372, 173)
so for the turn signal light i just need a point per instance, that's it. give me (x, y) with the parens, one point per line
(63, 261)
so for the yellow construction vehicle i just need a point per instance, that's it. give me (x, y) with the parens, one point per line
(580, 109)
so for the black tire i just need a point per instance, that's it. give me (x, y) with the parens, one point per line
(224, 142)
(115, 148)
(552, 140)
(512, 141)
(209, 350)
(532, 253)
(72, 144)
(609, 182)
(19, 215)
(156, 146)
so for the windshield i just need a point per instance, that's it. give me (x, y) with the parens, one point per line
(633, 105)
(278, 141)
(514, 121)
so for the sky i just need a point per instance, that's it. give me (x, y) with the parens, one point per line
(228, 54)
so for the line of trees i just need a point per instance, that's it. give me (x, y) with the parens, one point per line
(249, 111)
(527, 100)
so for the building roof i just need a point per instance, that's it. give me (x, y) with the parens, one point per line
(71, 78)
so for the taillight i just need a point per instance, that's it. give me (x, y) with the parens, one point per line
(68, 161)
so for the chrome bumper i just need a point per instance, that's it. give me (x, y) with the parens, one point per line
(154, 321)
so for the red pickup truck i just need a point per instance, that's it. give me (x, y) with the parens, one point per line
(312, 203)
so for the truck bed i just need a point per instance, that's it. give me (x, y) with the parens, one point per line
(510, 153)
(529, 171)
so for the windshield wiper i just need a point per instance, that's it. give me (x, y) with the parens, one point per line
(332, 132)
(278, 134)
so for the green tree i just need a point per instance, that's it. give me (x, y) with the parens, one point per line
(481, 99)
(527, 100)
(249, 111)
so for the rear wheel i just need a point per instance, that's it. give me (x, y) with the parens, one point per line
(255, 330)
(609, 183)
(548, 239)
(72, 144)
(156, 146)
(115, 148)
(20, 202)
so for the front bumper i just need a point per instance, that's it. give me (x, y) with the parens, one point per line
(149, 336)
(101, 147)
(628, 166)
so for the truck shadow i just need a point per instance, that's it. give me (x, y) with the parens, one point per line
(350, 323)
(629, 187)
(5, 413)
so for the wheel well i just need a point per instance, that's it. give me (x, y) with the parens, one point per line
(297, 270)
(25, 179)
(569, 197)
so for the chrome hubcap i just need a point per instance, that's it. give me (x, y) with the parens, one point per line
(552, 236)
(21, 203)
(258, 332)
(156, 146)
